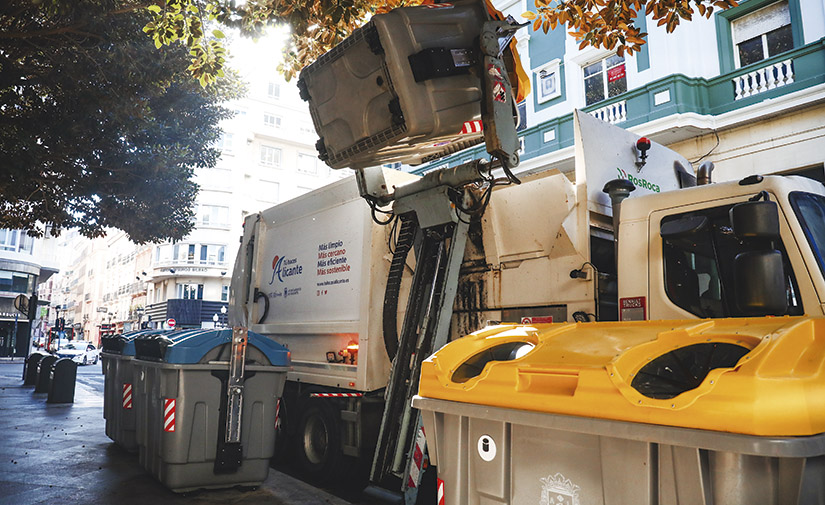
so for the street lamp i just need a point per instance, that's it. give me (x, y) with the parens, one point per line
(223, 315)
(215, 319)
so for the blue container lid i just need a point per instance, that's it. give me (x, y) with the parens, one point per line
(191, 346)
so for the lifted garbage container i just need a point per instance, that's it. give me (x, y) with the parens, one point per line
(668, 412)
(44, 374)
(118, 383)
(205, 402)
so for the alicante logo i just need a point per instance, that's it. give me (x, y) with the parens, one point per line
(639, 182)
(283, 267)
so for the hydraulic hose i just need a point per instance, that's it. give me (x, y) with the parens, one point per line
(406, 236)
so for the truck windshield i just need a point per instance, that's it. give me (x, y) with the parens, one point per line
(810, 210)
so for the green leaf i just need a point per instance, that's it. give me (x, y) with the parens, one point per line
(154, 8)
(218, 34)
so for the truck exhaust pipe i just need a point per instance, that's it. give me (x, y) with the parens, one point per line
(703, 174)
(618, 190)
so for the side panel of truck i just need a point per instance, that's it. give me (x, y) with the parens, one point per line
(322, 264)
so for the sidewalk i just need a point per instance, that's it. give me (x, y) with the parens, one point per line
(59, 454)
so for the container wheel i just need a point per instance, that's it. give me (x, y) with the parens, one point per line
(319, 443)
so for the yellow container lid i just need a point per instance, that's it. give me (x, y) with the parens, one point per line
(756, 376)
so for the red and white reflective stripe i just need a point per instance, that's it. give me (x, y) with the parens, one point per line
(127, 396)
(278, 414)
(418, 459)
(336, 395)
(440, 492)
(169, 414)
(472, 127)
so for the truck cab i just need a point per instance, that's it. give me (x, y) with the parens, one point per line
(665, 275)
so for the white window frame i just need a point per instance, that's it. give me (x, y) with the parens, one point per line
(265, 185)
(738, 38)
(595, 59)
(270, 156)
(301, 169)
(273, 90)
(272, 120)
(549, 72)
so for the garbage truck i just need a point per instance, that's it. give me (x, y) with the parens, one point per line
(363, 279)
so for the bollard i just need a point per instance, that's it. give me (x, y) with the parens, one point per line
(64, 376)
(44, 374)
(30, 370)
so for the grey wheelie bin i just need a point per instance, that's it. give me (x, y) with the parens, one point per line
(205, 403)
(710, 412)
(116, 356)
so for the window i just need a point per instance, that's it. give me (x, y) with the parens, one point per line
(604, 79)
(810, 210)
(273, 90)
(762, 34)
(190, 257)
(16, 241)
(270, 156)
(271, 120)
(224, 293)
(16, 282)
(268, 191)
(307, 164)
(698, 265)
(8, 240)
(213, 215)
(190, 291)
(225, 143)
(547, 81)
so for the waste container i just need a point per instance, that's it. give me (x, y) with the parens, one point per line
(713, 412)
(44, 374)
(189, 387)
(62, 383)
(117, 352)
(30, 373)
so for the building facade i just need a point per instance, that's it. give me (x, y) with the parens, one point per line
(24, 263)
(267, 157)
(744, 89)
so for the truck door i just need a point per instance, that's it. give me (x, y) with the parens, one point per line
(691, 273)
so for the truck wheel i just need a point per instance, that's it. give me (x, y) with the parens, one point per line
(319, 443)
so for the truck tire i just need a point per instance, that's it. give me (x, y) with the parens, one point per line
(319, 443)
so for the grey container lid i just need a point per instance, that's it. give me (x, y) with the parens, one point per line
(197, 346)
(123, 344)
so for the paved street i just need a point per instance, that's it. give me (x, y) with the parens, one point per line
(59, 454)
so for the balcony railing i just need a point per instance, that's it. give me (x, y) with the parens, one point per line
(189, 263)
(612, 113)
(763, 79)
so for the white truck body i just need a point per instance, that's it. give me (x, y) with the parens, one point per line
(322, 263)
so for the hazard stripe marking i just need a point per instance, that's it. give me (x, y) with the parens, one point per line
(440, 492)
(169, 414)
(127, 396)
(336, 395)
(472, 127)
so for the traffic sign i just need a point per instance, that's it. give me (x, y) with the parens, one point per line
(170, 322)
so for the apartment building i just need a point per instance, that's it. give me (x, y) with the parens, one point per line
(24, 263)
(744, 89)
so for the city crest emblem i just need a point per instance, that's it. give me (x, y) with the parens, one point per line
(557, 490)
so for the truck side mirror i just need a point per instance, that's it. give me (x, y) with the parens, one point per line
(755, 220)
(760, 283)
(758, 272)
